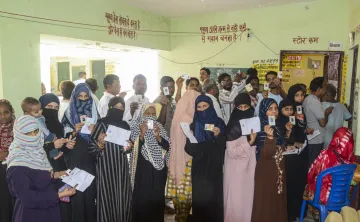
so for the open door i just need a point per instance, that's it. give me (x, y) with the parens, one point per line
(354, 95)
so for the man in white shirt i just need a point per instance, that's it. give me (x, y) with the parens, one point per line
(134, 104)
(112, 88)
(82, 78)
(212, 91)
(276, 91)
(93, 84)
(66, 88)
(228, 94)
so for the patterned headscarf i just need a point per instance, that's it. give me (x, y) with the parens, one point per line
(207, 116)
(151, 149)
(340, 151)
(27, 150)
(79, 108)
(264, 120)
(6, 129)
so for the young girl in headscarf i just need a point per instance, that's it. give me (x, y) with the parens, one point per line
(81, 105)
(296, 165)
(207, 163)
(240, 162)
(30, 176)
(270, 187)
(7, 118)
(149, 160)
(179, 186)
(340, 151)
(114, 192)
(54, 149)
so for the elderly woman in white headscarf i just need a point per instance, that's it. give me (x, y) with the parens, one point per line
(149, 161)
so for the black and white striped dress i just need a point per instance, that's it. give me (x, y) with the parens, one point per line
(114, 194)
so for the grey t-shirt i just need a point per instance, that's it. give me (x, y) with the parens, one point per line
(314, 112)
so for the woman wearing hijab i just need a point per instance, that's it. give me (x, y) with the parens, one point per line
(270, 188)
(207, 163)
(7, 118)
(50, 108)
(340, 151)
(296, 166)
(81, 105)
(112, 168)
(179, 186)
(149, 160)
(30, 176)
(240, 162)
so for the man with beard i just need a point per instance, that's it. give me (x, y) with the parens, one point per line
(276, 91)
(212, 91)
(228, 94)
(254, 97)
(134, 104)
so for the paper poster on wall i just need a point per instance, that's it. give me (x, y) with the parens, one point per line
(333, 67)
(265, 65)
(343, 80)
(299, 72)
(291, 62)
(314, 64)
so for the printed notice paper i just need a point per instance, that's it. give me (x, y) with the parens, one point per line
(80, 178)
(186, 128)
(117, 135)
(250, 124)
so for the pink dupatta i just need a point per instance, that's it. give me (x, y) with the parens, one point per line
(184, 112)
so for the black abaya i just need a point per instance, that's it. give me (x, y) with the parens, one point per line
(207, 179)
(149, 190)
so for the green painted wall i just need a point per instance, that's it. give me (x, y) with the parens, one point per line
(276, 26)
(19, 40)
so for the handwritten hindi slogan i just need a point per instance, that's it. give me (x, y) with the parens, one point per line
(224, 33)
(122, 26)
(302, 40)
(264, 66)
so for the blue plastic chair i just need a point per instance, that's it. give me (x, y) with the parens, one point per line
(339, 194)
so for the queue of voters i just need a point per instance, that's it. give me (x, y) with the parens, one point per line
(84, 159)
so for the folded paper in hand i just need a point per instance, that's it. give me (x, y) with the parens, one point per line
(297, 150)
(312, 136)
(80, 178)
(186, 128)
(250, 124)
(117, 135)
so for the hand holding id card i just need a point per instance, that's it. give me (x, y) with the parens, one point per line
(209, 127)
(266, 86)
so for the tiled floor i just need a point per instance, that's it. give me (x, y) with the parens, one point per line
(171, 218)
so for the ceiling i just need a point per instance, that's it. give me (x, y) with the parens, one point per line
(177, 8)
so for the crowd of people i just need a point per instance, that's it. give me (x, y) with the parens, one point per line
(226, 175)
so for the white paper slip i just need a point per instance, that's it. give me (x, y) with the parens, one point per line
(186, 129)
(166, 91)
(185, 76)
(280, 74)
(271, 120)
(80, 178)
(266, 86)
(249, 87)
(292, 120)
(312, 136)
(298, 150)
(117, 135)
(86, 129)
(299, 109)
(250, 124)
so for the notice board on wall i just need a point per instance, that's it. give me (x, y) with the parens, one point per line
(216, 71)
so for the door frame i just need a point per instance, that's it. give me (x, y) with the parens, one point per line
(353, 82)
